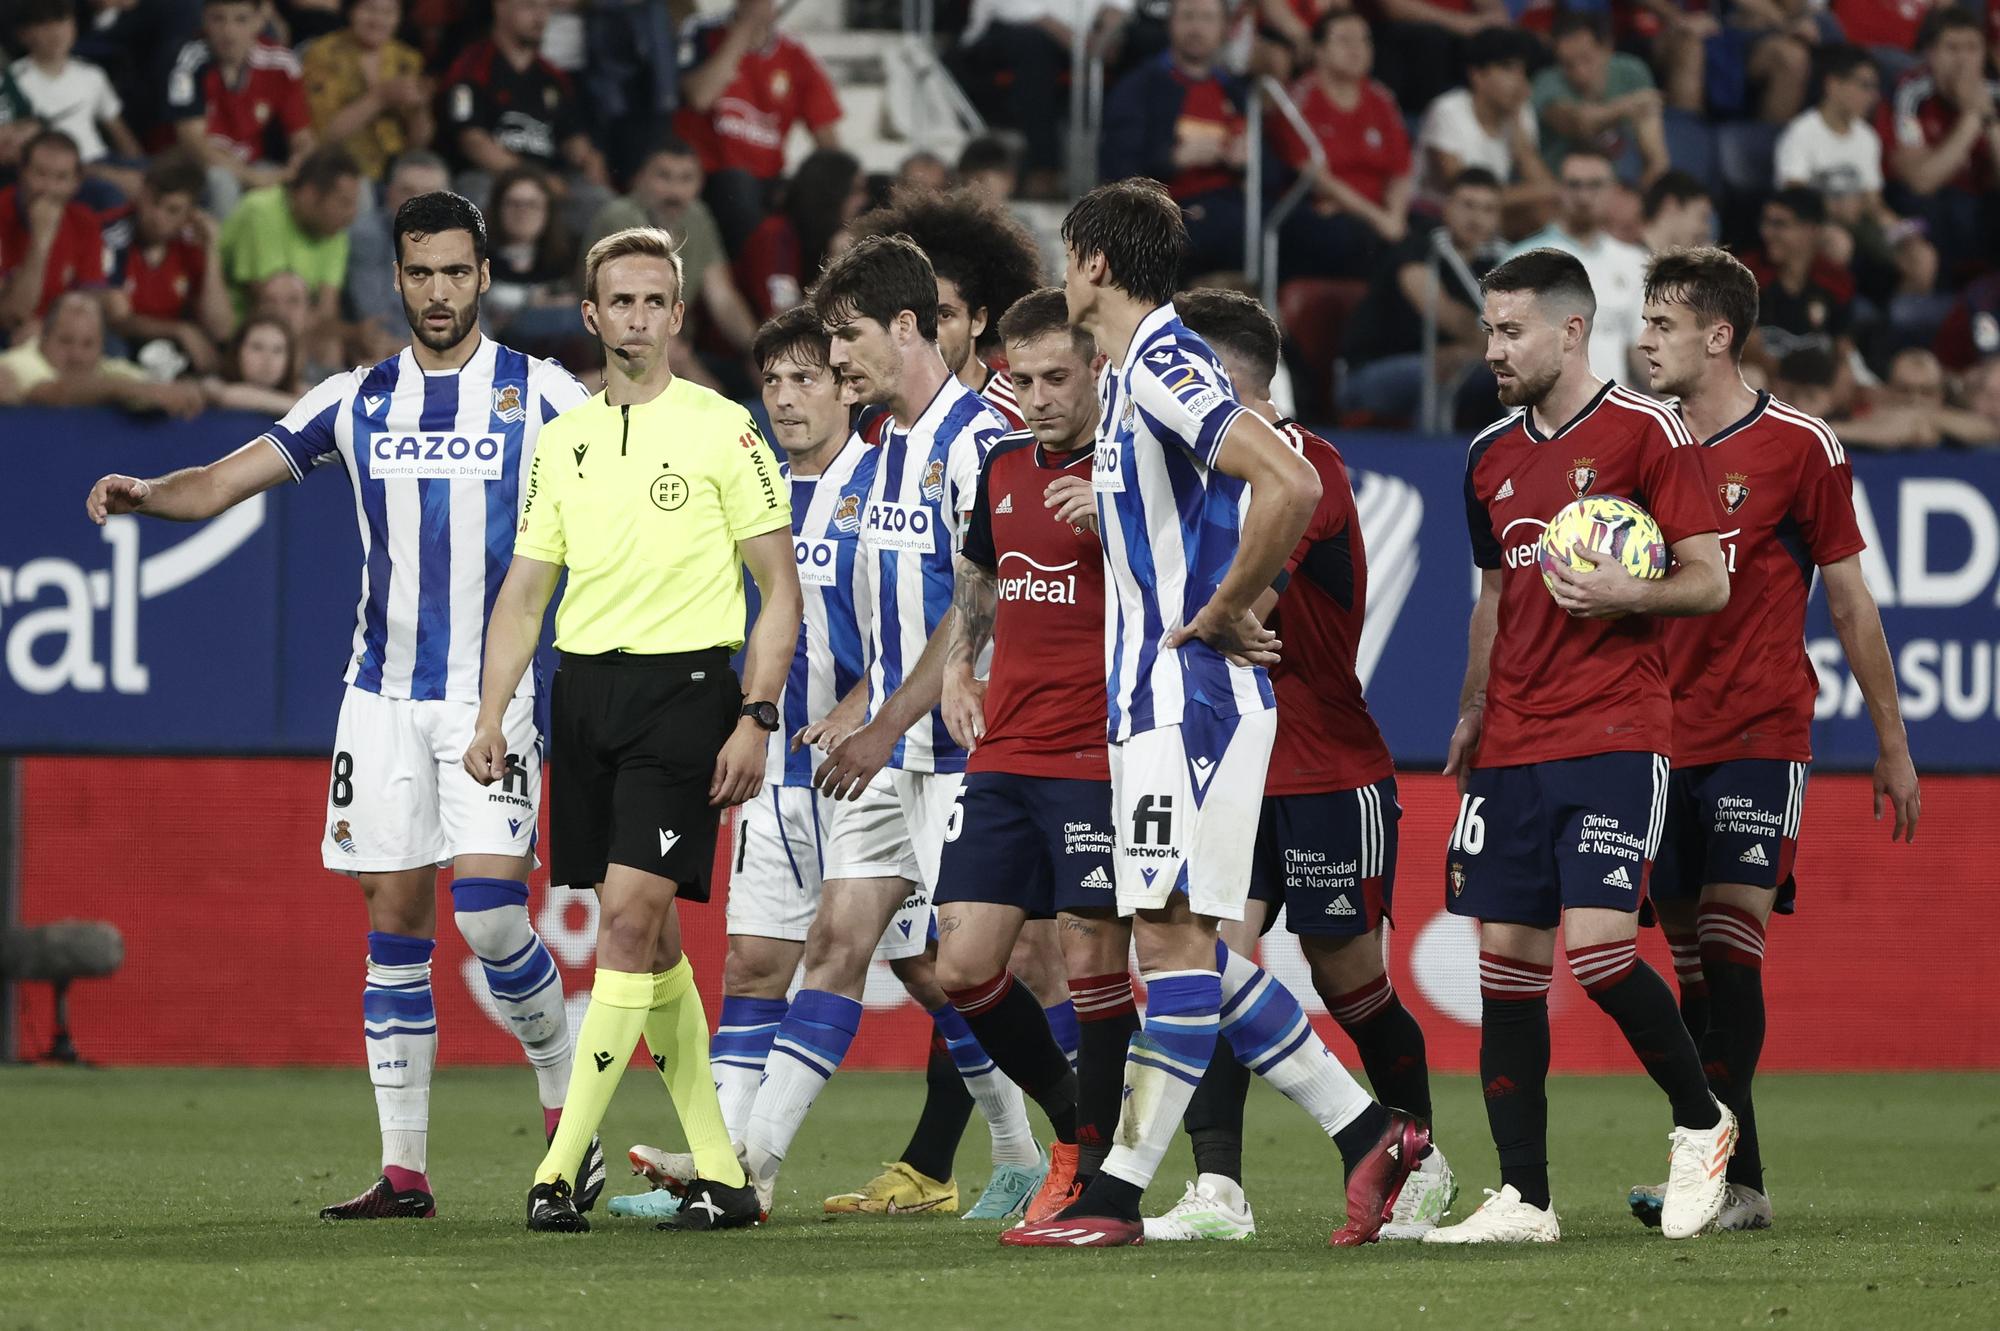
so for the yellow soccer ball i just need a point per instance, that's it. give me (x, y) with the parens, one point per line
(1608, 525)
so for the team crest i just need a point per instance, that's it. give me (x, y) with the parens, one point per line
(933, 486)
(507, 405)
(1735, 490)
(343, 837)
(1131, 410)
(847, 515)
(1582, 475)
(1457, 878)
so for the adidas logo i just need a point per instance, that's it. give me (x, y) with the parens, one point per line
(1506, 490)
(1618, 878)
(1098, 879)
(1340, 906)
(1755, 855)
(1006, 505)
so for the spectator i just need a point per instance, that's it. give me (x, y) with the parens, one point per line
(1490, 124)
(72, 95)
(990, 162)
(1911, 411)
(1942, 134)
(923, 169)
(1711, 65)
(299, 227)
(137, 44)
(372, 298)
(666, 192)
(237, 100)
(1012, 62)
(785, 253)
(533, 259)
(1179, 119)
(1679, 213)
(1423, 44)
(1982, 393)
(1834, 149)
(1617, 268)
(17, 123)
(260, 370)
(65, 366)
(1803, 300)
(1282, 46)
(366, 89)
(1360, 200)
(160, 257)
(744, 85)
(1889, 29)
(1384, 349)
(506, 107)
(1592, 97)
(1804, 379)
(49, 242)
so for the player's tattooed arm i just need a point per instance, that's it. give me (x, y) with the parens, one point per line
(974, 597)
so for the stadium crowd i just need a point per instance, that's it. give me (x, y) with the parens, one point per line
(195, 195)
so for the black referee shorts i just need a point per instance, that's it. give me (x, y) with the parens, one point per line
(633, 747)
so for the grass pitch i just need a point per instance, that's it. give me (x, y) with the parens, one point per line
(187, 1198)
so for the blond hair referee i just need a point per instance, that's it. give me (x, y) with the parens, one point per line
(654, 495)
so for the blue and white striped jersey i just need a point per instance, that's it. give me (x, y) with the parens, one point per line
(437, 460)
(832, 653)
(1170, 524)
(911, 525)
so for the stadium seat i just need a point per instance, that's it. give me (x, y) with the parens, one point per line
(56, 954)
(1691, 146)
(1314, 312)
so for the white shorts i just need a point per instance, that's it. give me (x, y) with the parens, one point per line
(933, 812)
(1186, 800)
(777, 872)
(400, 797)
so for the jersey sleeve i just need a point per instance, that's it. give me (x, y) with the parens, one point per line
(977, 547)
(819, 102)
(1678, 493)
(1823, 504)
(1331, 513)
(465, 101)
(186, 98)
(1479, 523)
(555, 388)
(753, 502)
(306, 435)
(293, 112)
(539, 534)
(1189, 397)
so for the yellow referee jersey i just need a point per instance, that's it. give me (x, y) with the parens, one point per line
(645, 504)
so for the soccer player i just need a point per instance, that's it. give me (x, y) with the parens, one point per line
(1199, 503)
(1743, 687)
(878, 303)
(1564, 725)
(655, 495)
(437, 441)
(1326, 846)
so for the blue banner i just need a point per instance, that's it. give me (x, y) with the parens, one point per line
(232, 636)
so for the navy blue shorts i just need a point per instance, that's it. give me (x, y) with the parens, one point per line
(1533, 841)
(1329, 859)
(1731, 822)
(1040, 843)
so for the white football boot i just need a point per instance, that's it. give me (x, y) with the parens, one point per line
(1502, 1218)
(672, 1171)
(1213, 1207)
(1424, 1200)
(1696, 1186)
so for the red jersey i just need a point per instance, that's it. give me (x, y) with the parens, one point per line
(162, 287)
(1045, 703)
(774, 89)
(76, 257)
(257, 115)
(1561, 687)
(1915, 115)
(1743, 685)
(1882, 22)
(1208, 111)
(999, 394)
(1326, 739)
(1366, 145)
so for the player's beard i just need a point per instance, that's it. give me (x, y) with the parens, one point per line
(462, 322)
(1525, 390)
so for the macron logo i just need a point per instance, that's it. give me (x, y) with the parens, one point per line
(1506, 490)
(374, 404)
(668, 840)
(1755, 855)
(1618, 878)
(1006, 505)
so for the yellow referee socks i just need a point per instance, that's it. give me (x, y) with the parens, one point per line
(677, 1033)
(604, 1044)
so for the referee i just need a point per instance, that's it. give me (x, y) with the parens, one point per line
(654, 494)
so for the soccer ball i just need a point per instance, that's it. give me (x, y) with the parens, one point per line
(1607, 524)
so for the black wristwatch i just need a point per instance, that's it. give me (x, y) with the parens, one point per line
(764, 714)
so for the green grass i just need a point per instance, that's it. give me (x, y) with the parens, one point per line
(187, 1198)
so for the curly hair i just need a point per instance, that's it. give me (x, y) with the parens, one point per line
(972, 241)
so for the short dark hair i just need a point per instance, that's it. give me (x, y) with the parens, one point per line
(1498, 46)
(1943, 20)
(1324, 23)
(666, 143)
(1674, 187)
(50, 138)
(796, 333)
(1814, 367)
(1041, 312)
(1473, 177)
(1570, 22)
(34, 13)
(210, 4)
(1551, 274)
(1803, 202)
(439, 211)
(1839, 60)
(972, 240)
(1713, 284)
(325, 167)
(1583, 149)
(878, 277)
(1138, 228)
(988, 152)
(1233, 322)
(176, 171)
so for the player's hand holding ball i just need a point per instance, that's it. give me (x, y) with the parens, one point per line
(486, 756)
(1597, 552)
(114, 494)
